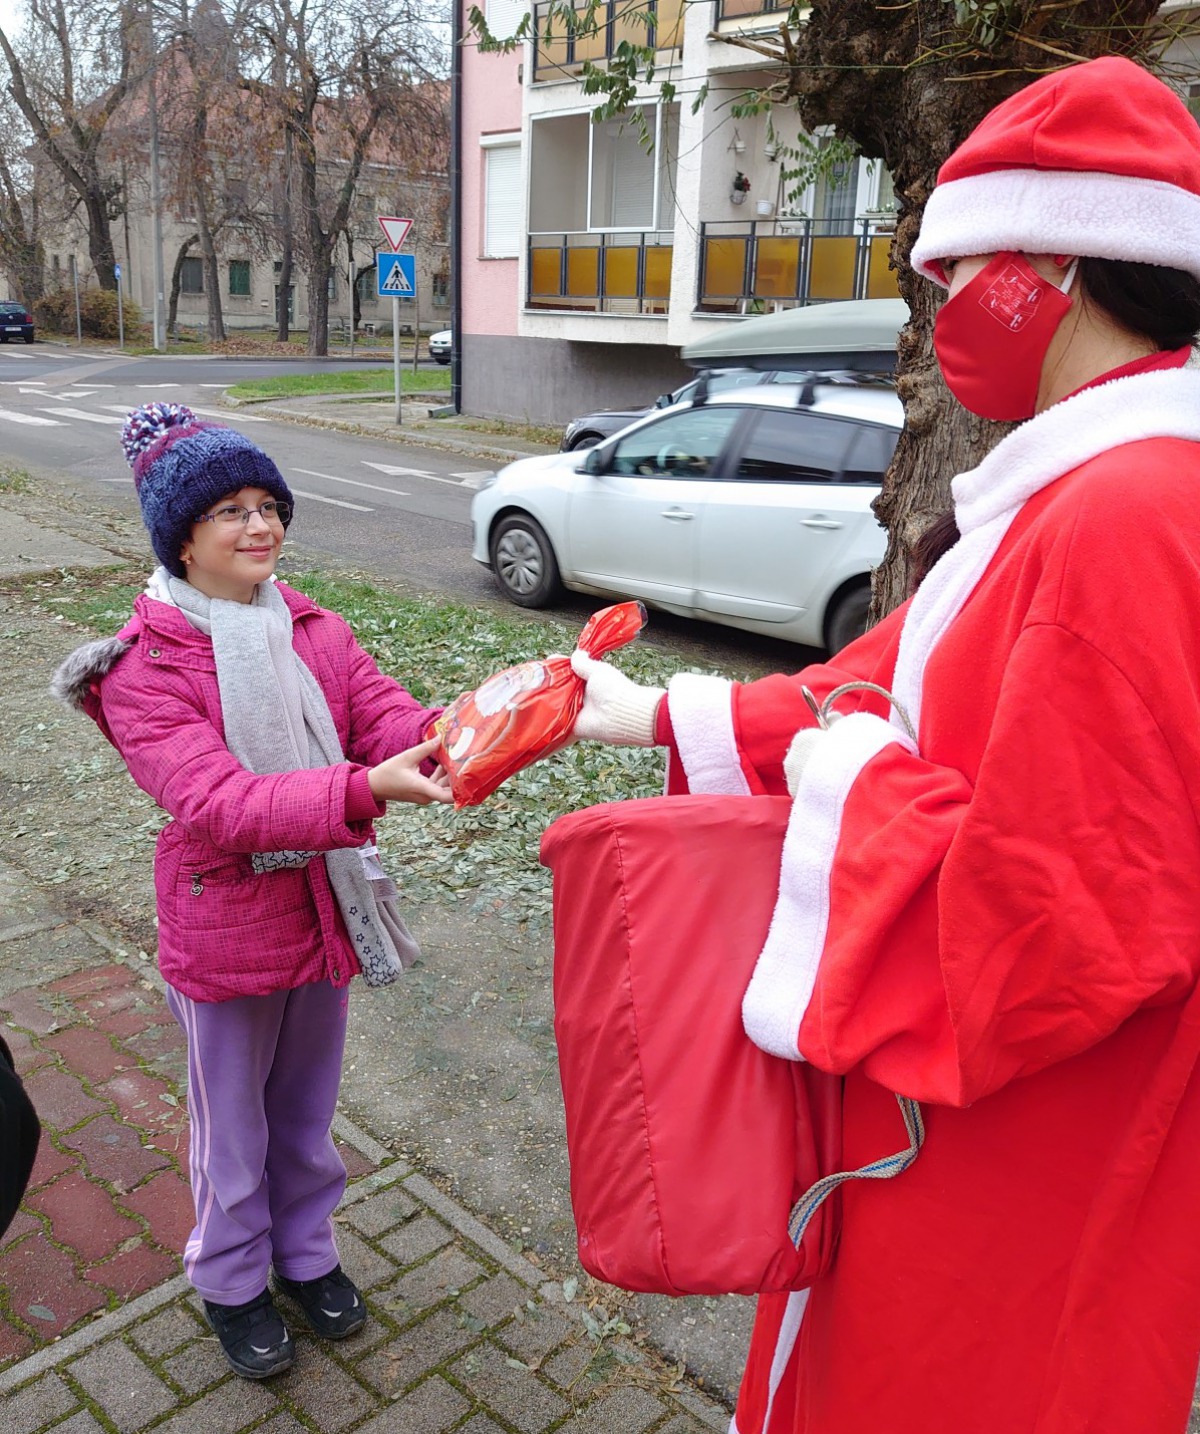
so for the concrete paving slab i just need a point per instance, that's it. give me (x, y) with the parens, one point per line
(27, 547)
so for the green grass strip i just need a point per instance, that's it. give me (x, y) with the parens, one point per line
(356, 380)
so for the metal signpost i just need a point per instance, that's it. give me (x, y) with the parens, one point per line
(120, 309)
(395, 275)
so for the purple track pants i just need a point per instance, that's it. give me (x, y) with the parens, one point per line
(263, 1076)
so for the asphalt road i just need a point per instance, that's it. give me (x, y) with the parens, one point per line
(398, 510)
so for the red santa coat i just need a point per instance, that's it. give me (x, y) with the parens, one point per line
(1001, 920)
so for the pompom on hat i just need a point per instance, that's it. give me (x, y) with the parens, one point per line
(182, 466)
(1100, 159)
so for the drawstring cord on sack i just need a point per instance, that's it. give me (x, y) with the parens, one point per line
(888, 1165)
(882, 1169)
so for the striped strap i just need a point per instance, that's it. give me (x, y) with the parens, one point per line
(883, 1169)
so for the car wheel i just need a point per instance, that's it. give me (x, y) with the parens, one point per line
(584, 440)
(437, 358)
(524, 561)
(847, 617)
(3, 338)
(28, 338)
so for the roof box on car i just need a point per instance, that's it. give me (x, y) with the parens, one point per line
(858, 334)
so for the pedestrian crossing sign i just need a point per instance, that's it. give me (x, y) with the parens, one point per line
(396, 276)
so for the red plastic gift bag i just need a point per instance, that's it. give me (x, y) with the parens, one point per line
(689, 1145)
(524, 712)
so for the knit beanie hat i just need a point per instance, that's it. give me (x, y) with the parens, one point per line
(182, 466)
(1100, 160)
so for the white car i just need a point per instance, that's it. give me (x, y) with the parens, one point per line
(752, 508)
(439, 346)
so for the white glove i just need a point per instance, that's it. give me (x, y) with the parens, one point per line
(801, 751)
(615, 710)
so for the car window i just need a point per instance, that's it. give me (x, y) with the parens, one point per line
(685, 445)
(870, 454)
(785, 446)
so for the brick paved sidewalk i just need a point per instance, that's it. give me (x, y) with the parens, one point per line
(99, 1330)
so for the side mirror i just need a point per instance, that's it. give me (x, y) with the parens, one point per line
(593, 462)
(664, 400)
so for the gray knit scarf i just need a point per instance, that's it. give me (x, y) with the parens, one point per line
(277, 720)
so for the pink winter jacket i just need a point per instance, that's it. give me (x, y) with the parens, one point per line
(224, 931)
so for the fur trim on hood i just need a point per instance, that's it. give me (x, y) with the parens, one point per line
(73, 680)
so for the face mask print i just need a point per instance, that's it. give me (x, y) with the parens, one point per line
(991, 338)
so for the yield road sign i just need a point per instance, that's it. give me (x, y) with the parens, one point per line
(395, 230)
(396, 275)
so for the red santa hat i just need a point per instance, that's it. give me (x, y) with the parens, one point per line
(1100, 159)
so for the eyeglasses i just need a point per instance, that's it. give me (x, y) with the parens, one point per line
(235, 513)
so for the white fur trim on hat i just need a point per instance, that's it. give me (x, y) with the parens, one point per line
(1053, 211)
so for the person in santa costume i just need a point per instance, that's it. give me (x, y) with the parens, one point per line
(990, 889)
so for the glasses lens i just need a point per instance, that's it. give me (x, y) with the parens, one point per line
(282, 511)
(233, 513)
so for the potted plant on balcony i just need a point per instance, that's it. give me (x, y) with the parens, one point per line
(741, 187)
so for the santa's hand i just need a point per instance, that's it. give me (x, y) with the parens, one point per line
(801, 751)
(615, 710)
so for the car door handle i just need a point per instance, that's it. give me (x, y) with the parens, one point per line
(678, 515)
(820, 522)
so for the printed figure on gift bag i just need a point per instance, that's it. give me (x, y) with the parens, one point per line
(274, 743)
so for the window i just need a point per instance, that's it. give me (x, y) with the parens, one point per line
(502, 219)
(440, 284)
(836, 198)
(331, 288)
(239, 278)
(686, 445)
(789, 447)
(191, 277)
(870, 455)
(503, 16)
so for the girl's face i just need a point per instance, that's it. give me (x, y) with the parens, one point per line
(228, 559)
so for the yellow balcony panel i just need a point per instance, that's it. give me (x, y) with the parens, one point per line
(545, 273)
(724, 268)
(658, 271)
(831, 275)
(882, 281)
(620, 271)
(777, 268)
(583, 273)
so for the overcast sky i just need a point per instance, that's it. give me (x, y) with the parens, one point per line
(8, 15)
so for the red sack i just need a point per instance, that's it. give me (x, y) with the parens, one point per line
(688, 1144)
(524, 712)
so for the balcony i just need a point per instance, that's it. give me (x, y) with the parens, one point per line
(782, 263)
(600, 273)
(748, 9)
(563, 48)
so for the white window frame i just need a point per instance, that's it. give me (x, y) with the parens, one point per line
(652, 227)
(510, 139)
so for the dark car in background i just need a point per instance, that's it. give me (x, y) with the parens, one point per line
(593, 428)
(16, 322)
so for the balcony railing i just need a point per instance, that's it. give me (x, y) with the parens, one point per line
(777, 263)
(748, 9)
(610, 273)
(562, 47)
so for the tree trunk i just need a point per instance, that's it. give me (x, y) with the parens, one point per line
(283, 326)
(318, 300)
(908, 83)
(212, 273)
(177, 284)
(100, 244)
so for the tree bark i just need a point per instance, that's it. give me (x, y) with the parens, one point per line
(907, 83)
(177, 283)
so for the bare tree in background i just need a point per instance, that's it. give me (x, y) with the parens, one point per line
(72, 73)
(342, 83)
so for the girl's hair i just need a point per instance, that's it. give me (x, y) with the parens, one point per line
(1162, 305)
(938, 538)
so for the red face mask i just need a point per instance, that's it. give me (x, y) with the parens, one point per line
(991, 337)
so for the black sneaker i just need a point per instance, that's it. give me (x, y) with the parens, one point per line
(333, 1305)
(253, 1336)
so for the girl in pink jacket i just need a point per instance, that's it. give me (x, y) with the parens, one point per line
(273, 741)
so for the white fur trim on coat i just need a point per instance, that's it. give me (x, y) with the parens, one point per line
(786, 971)
(1059, 211)
(702, 720)
(1165, 404)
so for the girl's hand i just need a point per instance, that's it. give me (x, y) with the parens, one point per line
(399, 779)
